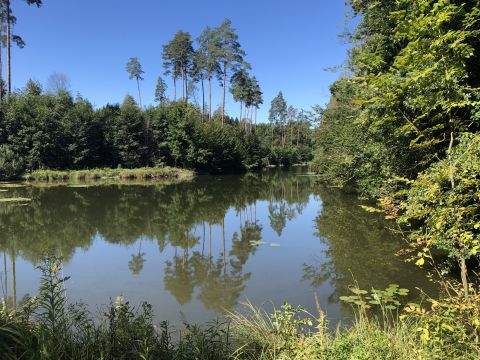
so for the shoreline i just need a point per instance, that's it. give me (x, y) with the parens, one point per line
(94, 175)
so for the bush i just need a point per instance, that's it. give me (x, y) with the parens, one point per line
(449, 326)
(11, 166)
(442, 207)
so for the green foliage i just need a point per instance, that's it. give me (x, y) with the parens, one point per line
(448, 326)
(228, 49)
(178, 56)
(278, 110)
(160, 90)
(386, 299)
(55, 131)
(291, 333)
(346, 154)
(445, 201)
(413, 86)
(84, 135)
(11, 166)
(209, 56)
(403, 127)
(134, 69)
(128, 137)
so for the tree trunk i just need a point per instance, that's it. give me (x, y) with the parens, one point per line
(174, 88)
(186, 86)
(464, 273)
(203, 101)
(241, 111)
(147, 127)
(224, 91)
(139, 94)
(9, 56)
(281, 134)
(245, 122)
(251, 119)
(210, 98)
(1, 69)
(255, 128)
(183, 85)
(451, 175)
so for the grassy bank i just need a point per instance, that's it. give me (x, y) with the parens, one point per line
(48, 327)
(101, 174)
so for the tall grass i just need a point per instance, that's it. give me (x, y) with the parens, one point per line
(154, 173)
(48, 327)
(291, 333)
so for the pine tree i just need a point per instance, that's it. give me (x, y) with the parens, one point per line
(178, 57)
(128, 134)
(160, 91)
(134, 69)
(230, 55)
(9, 37)
(210, 54)
(278, 114)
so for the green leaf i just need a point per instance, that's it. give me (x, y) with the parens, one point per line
(358, 291)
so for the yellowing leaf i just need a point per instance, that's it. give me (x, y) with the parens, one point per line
(420, 262)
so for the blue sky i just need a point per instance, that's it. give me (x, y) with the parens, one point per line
(288, 43)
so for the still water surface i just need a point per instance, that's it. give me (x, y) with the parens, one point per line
(196, 249)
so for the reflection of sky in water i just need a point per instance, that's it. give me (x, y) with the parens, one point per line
(101, 272)
(354, 242)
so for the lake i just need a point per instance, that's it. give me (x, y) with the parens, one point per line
(196, 249)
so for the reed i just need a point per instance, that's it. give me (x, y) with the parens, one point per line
(147, 173)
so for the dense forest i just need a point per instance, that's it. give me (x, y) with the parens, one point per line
(51, 129)
(403, 126)
(54, 131)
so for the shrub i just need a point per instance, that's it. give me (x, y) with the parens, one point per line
(11, 166)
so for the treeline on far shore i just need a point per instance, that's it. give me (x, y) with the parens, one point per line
(40, 130)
